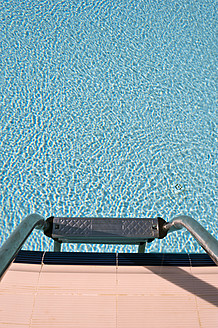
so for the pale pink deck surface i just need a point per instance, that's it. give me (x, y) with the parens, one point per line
(108, 297)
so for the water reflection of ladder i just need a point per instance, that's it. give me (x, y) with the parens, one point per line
(135, 231)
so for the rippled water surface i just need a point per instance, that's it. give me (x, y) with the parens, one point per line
(108, 109)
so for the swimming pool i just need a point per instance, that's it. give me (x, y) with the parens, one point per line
(108, 110)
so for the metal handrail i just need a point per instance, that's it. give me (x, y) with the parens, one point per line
(203, 237)
(14, 243)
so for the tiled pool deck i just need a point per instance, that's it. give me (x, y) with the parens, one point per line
(116, 295)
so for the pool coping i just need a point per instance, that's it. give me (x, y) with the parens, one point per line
(121, 259)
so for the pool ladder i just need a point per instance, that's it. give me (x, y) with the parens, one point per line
(137, 231)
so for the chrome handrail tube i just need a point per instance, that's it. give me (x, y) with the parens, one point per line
(203, 237)
(13, 244)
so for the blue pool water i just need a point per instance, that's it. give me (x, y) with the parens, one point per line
(108, 109)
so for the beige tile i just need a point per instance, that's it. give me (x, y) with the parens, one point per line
(22, 282)
(208, 318)
(207, 302)
(206, 285)
(10, 325)
(106, 296)
(210, 279)
(138, 269)
(176, 284)
(204, 270)
(175, 270)
(16, 309)
(78, 268)
(143, 280)
(95, 279)
(165, 312)
(146, 284)
(25, 267)
(79, 311)
(17, 290)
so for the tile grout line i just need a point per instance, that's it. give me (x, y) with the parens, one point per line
(190, 262)
(195, 297)
(37, 288)
(116, 286)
